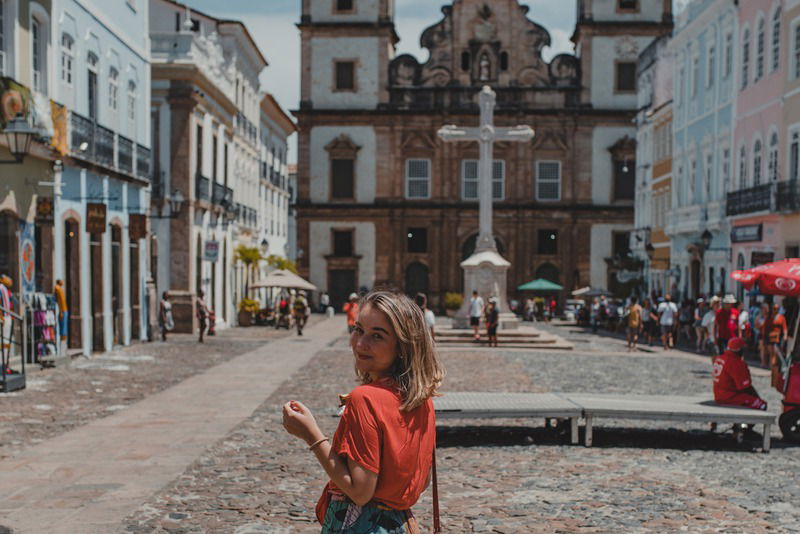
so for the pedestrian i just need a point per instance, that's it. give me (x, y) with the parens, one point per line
(686, 318)
(300, 310)
(759, 329)
(63, 312)
(634, 313)
(708, 326)
(648, 320)
(553, 305)
(165, 319)
(421, 299)
(492, 321)
(351, 309)
(6, 307)
(202, 313)
(774, 332)
(743, 323)
(697, 323)
(594, 314)
(726, 322)
(732, 382)
(475, 311)
(667, 318)
(324, 302)
(379, 460)
(529, 308)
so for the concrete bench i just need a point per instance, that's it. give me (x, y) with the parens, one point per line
(467, 404)
(666, 408)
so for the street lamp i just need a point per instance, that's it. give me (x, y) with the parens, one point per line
(705, 238)
(264, 246)
(176, 202)
(19, 135)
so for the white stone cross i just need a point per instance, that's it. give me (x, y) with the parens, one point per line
(486, 134)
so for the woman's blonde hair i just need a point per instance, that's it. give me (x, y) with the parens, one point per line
(417, 369)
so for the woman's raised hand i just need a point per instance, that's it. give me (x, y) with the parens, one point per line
(299, 421)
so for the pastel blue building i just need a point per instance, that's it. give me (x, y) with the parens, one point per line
(101, 74)
(704, 50)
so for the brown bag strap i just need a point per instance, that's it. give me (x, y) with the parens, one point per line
(437, 527)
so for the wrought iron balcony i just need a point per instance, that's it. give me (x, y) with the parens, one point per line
(221, 195)
(789, 196)
(82, 138)
(751, 200)
(202, 186)
(104, 147)
(143, 163)
(125, 154)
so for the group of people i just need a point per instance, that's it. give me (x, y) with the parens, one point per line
(490, 314)
(539, 308)
(709, 325)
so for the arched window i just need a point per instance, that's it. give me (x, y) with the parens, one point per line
(773, 158)
(67, 57)
(745, 57)
(132, 109)
(757, 162)
(113, 89)
(549, 272)
(742, 168)
(776, 39)
(760, 46)
(92, 60)
(39, 54)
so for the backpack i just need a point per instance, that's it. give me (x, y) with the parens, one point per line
(299, 306)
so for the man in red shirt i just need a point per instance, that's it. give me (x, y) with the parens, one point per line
(726, 322)
(732, 383)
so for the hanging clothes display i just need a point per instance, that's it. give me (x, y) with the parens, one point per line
(43, 334)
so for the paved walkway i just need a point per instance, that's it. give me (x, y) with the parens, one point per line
(89, 479)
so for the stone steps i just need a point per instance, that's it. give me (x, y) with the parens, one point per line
(521, 338)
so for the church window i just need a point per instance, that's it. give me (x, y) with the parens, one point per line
(547, 242)
(503, 61)
(418, 178)
(626, 77)
(548, 180)
(345, 76)
(342, 243)
(628, 5)
(757, 162)
(776, 39)
(624, 180)
(342, 178)
(745, 57)
(344, 5)
(417, 240)
(760, 44)
(469, 179)
(465, 61)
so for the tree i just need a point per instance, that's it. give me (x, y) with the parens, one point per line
(279, 262)
(250, 256)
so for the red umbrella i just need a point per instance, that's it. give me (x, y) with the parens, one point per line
(776, 278)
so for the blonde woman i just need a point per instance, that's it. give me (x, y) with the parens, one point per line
(379, 460)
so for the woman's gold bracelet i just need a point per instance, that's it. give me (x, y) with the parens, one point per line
(311, 447)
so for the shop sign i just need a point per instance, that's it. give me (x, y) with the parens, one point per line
(760, 258)
(211, 251)
(747, 233)
(44, 210)
(27, 257)
(625, 276)
(95, 218)
(137, 226)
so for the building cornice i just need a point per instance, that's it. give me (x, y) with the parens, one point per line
(187, 72)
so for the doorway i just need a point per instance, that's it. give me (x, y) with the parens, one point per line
(341, 282)
(695, 280)
(416, 279)
(135, 289)
(72, 281)
(116, 282)
(96, 275)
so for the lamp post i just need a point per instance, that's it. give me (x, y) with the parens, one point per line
(175, 202)
(19, 135)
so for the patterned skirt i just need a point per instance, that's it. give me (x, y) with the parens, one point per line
(344, 517)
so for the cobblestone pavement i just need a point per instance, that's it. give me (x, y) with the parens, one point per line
(59, 399)
(505, 475)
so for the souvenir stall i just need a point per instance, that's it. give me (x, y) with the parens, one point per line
(41, 314)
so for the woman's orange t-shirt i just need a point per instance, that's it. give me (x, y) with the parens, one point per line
(351, 309)
(396, 445)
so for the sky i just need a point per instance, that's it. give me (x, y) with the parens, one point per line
(272, 25)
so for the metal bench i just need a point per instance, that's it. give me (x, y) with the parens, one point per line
(467, 404)
(666, 408)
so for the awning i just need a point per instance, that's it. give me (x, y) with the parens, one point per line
(540, 284)
(284, 278)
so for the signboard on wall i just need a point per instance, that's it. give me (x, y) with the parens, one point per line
(760, 258)
(211, 251)
(95, 218)
(137, 226)
(746, 234)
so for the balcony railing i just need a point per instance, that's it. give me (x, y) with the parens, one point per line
(125, 154)
(201, 185)
(758, 198)
(221, 195)
(789, 196)
(466, 98)
(93, 142)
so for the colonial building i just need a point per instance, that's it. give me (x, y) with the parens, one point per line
(654, 167)
(788, 189)
(704, 48)
(383, 201)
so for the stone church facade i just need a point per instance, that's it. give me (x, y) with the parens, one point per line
(381, 200)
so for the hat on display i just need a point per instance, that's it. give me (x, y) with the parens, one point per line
(729, 299)
(736, 344)
(352, 296)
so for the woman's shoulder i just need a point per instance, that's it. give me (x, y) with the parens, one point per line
(373, 392)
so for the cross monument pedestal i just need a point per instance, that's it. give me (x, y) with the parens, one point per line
(486, 270)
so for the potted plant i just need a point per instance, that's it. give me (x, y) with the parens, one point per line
(247, 308)
(452, 302)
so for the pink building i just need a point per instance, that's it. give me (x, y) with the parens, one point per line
(759, 139)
